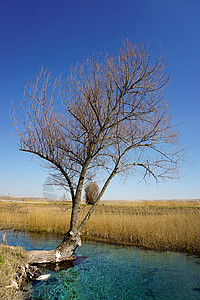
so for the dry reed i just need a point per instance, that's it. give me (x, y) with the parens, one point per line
(10, 260)
(171, 231)
(162, 226)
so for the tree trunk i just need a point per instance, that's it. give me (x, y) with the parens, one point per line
(63, 252)
(75, 215)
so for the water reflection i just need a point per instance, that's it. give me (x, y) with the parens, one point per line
(114, 272)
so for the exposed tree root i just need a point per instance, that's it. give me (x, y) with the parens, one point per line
(63, 252)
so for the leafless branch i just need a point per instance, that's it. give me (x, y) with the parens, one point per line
(109, 116)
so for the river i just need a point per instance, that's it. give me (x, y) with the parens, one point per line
(104, 271)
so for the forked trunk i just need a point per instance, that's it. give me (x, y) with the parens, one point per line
(61, 253)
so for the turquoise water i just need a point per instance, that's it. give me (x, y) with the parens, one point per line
(114, 272)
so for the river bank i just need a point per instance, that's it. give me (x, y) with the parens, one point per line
(10, 261)
(159, 225)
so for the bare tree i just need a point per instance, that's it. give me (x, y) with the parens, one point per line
(108, 116)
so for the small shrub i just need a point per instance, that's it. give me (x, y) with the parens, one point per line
(91, 192)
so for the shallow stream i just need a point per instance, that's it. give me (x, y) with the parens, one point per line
(113, 272)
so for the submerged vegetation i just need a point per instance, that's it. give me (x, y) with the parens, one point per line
(154, 225)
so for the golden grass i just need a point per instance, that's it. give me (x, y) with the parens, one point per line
(10, 259)
(37, 218)
(170, 231)
(155, 225)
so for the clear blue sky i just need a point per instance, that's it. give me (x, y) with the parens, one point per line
(60, 33)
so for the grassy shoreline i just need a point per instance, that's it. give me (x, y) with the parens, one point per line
(158, 225)
(10, 260)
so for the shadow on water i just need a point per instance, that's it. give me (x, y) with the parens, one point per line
(63, 265)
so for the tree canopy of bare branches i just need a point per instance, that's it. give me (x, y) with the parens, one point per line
(108, 116)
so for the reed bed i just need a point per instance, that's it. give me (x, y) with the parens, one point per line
(35, 218)
(169, 231)
(157, 225)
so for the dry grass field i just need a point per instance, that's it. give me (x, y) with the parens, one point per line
(161, 225)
